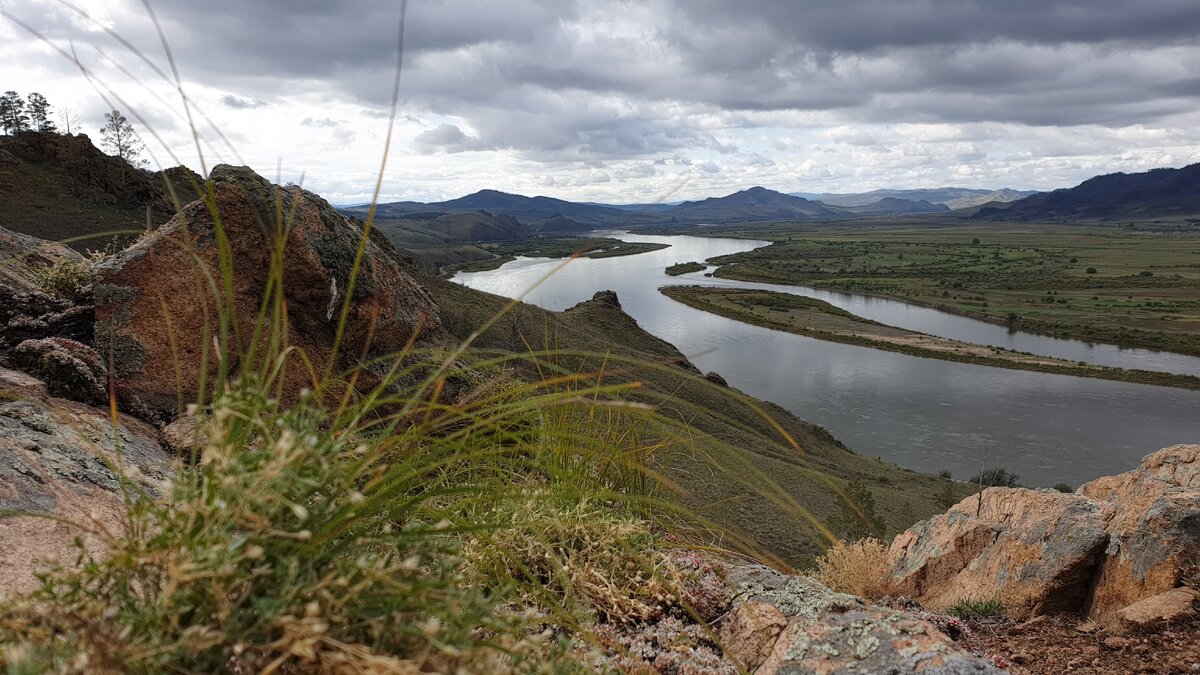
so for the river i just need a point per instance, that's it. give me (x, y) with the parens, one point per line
(926, 414)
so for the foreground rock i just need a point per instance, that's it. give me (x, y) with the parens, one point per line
(792, 624)
(156, 301)
(1117, 541)
(59, 458)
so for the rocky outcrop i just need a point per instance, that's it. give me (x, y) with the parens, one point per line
(70, 369)
(29, 312)
(792, 624)
(1117, 541)
(1034, 550)
(64, 464)
(156, 302)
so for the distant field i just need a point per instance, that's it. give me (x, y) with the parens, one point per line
(1131, 285)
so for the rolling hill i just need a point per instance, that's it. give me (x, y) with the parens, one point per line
(1152, 194)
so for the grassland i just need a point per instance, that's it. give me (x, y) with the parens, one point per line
(685, 268)
(821, 320)
(1134, 285)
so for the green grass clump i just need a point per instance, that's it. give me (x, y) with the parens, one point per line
(401, 535)
(975, 609)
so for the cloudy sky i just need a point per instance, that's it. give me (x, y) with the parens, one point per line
(625, 101)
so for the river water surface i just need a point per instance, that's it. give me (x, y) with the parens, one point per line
(926, 414)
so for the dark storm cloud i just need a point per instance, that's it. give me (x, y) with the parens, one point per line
(569, 80)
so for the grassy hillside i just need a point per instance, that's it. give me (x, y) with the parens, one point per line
(57, 187)
(736, 448)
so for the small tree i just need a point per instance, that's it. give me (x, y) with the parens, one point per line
(13, 117)
(857, 518)
(118, 137)
(39, 113)
(69, 120)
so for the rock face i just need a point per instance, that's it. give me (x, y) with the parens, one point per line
(156, 301)
(792, 624)
(26, 310)
(1117, 541)
(1035, 551)
(58, 460)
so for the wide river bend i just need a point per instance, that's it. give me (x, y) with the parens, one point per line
(926, 414)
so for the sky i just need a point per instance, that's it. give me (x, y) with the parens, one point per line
(628, 102)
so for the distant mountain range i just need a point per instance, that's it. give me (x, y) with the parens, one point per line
(1160, 192)
(951, 197)
(757, 203)
(1153, 194)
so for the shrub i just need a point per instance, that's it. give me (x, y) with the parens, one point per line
(1091, 270)
(1063, 487)
(860, 568)
(65, 278)
(995, 477)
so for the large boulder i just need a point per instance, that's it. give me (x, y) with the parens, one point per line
(157, 300)
(64, 463)
(1154, 535)
(792, 624)
(1115, 542)
(1033, 550)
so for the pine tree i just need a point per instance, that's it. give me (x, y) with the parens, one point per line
(13, 117)
(39, 113)
(118, 137)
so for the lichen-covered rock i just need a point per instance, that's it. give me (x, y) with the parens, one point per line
(61, 459)
(27, 311)
(157, 301)
(70, 369)
(830, 632)
(1034, 550)
(1155, 532)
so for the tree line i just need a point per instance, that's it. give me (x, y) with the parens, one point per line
(33, 113)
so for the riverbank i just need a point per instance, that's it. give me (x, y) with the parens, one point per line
(823, 321)
(556, 247)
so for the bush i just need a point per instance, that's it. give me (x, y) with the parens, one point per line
(65, 278)
(860, 568)
(1063, 487)
(1091, 270)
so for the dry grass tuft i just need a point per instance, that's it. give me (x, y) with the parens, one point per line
(860, 568)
